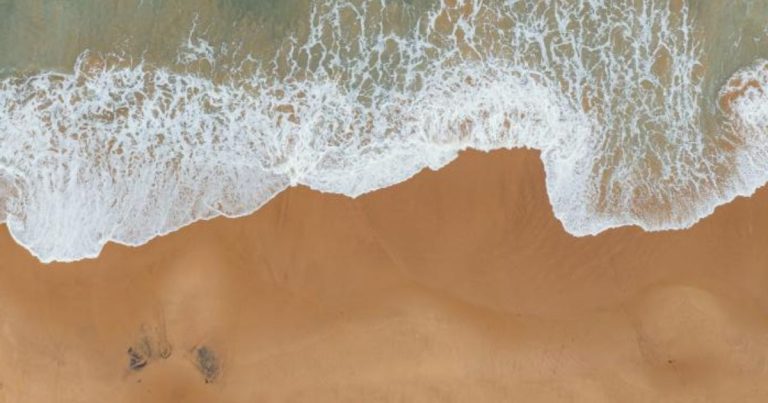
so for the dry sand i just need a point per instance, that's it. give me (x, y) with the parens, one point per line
(458, 285)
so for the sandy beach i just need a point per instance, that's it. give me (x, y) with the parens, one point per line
(457, 285)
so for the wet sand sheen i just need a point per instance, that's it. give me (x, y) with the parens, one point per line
(457, 285)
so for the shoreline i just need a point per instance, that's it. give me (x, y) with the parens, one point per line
(206, 130)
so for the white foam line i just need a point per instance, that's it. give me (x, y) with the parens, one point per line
(124, 153)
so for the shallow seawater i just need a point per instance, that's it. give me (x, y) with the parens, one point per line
(123, 120)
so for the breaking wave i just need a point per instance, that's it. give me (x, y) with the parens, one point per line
(608, 91)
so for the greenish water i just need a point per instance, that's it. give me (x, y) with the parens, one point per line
(52, 34)
(45, 34)
(734, 35)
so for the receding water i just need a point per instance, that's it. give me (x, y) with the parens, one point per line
(122, 120)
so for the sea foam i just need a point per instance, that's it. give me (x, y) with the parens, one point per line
(608, 91)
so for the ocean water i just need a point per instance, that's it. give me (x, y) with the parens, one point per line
(121, 120)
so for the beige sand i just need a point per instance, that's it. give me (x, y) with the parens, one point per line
(458, 285)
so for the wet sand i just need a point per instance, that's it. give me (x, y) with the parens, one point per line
(458, 285)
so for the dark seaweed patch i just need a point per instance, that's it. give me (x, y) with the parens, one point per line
(146, 350)
(139, 354)
(207, 363)
(137, 360)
